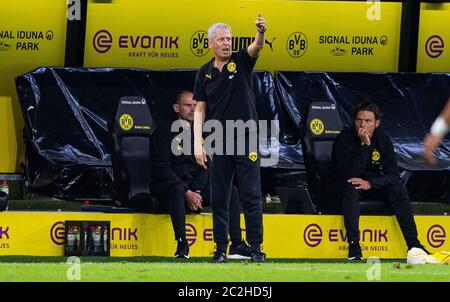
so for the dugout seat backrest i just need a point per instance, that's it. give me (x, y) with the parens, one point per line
(131, 132)
(321, 126)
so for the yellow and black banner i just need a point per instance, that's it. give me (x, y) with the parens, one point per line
(285, 236)
(433, 50)
(32, 34)
(301, 35)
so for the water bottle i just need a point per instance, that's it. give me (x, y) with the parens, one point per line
(96, 238)
(84, 234)
(4, 187)
(71, 239)
(105, 239)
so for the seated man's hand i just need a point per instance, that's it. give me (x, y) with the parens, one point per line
(194, 200)
(364, 136)
(198, 201)
(360, 184)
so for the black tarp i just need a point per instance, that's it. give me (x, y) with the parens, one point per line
(285, 146)
(410, 103)
(66, 111)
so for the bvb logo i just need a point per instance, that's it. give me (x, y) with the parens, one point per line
(253, 156)
(297, 44)
(199, 43)
(376, 155)
(231, 67)
(317, 126)
(126, 122)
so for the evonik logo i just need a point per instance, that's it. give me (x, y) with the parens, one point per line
(434, 46)
(436, 236)
(191, 234)
(313, 235)
(57, 233)
(103, 41)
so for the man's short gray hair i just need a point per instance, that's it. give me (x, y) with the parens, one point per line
(212, 29)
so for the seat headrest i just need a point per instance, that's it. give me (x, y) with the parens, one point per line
(323, 120)
(133, 117)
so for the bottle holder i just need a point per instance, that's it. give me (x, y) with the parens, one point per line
(87, 238)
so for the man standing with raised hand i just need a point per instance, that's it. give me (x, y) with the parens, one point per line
(224, 92)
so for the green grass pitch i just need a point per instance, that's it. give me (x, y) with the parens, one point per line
(36, 269)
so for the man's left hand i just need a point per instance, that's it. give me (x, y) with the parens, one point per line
(260, 23)
(360, 183)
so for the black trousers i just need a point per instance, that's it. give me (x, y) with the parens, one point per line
(396, 195)
(224, 168)
(172, 200)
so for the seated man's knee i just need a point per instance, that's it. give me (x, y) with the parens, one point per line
(350, 193)
(397, 190)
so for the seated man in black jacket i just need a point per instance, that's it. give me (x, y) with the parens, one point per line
(179, 182)
(364, 166)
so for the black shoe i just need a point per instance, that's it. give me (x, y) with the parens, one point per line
(239, 251)
(182, 250)
(257, 256)
(354, 252)
(219, 257)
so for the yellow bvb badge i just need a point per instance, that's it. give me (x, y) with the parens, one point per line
(316, 126)
(126, 122)
(376, 155)
(231, 67)
(253, 156)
